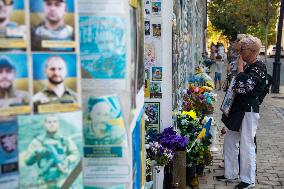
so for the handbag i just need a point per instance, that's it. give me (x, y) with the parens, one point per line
(228, 98)
(234, 120)
(226, 83)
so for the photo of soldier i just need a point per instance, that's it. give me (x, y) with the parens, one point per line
(52, 25)
(14, 96)
(51, 151)
(55, 83)
(12, 25)
(8, 154)
(103, 122)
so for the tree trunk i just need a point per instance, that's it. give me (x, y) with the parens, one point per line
(266, 42)
(266, 29)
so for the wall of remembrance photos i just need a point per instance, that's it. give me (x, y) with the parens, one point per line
(189, 24)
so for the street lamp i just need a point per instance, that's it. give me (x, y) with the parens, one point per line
(277, 63)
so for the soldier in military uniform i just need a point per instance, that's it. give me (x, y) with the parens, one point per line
(8, 29)
(55, 92)
(53, 26)
(9, 96)
(53, 154)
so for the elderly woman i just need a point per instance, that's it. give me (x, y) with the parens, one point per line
(249, 86)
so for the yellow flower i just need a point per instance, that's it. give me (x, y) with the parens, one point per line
(183, 113)
(192, 114)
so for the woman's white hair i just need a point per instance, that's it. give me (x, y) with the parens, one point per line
(251, 42)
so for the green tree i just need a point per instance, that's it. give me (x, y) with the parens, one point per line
(256, 17)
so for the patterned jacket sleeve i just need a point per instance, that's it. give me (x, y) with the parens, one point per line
(246, 82)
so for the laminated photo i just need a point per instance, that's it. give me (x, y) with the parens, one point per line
(52, 25)
(14, 85)
(155, 90)
(157, 73)
(50, 148)
(55, 83)
(13, 32)
(9, 174)
(106, 149)
(103, 47)
(157, 30)
(103, 122)
(147, 28)
(152, 118)
(156, 7)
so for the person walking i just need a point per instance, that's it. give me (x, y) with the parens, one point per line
(249, 86)
(218, 71)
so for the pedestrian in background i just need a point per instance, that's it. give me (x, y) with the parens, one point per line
(218, 71)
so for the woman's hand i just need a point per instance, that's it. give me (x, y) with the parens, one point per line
(240, 64)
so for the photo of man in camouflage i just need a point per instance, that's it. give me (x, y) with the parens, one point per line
(9, 96)
(53, 154)
(55, 92)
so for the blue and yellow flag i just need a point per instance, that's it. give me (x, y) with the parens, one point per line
(205, 130)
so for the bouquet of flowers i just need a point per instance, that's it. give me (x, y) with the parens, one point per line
(171, 140)
(155, 151)
(200, 154)
(187, 122)
(199, 99)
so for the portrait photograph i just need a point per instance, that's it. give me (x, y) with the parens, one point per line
(155, 90)
(103, 122)
(156, 7)
(52, 25)
(14, 85)
(157, 30)
(157, 73)
(9, 154)
(50, 150)
(12, 25)
(55, 83)
(147, 28)
(103, 47)
(152, 111)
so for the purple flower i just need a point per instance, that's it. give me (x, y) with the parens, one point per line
(171, 140)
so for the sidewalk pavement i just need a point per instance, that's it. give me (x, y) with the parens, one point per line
(270, 147)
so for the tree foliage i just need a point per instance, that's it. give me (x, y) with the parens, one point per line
(232, 17)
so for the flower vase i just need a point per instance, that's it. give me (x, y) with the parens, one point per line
(168, 175)
(195, 182)
(158, 177)
(190, 172)
(179, 168)
(199, 170)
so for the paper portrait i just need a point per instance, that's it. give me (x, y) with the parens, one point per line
(55, 83)
(14, 85)
(13, 32)
(50, 151)
(157, 30)
(103, 122)
(152, 119)
(52, 25)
